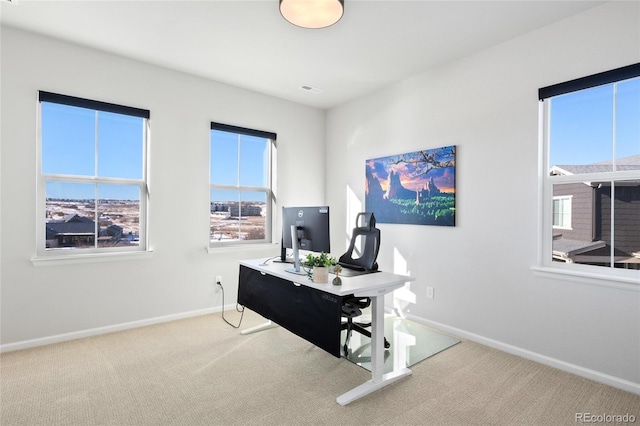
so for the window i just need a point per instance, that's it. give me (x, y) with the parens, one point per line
(591, 173)
(562, 212)
(240, 184)
(92, 186)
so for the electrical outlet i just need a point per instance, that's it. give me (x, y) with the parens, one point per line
(217, 284)
(430, 292)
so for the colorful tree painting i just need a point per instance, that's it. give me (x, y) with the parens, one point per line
(413, 188)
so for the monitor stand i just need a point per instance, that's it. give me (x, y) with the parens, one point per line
(296, 253)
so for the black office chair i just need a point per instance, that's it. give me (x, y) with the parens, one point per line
(352, 306)
(371, 245)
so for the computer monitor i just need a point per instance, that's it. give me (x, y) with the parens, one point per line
(304, 228)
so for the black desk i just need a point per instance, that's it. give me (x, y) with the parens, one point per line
(312, 314)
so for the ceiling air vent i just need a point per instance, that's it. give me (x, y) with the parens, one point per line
(311, 89)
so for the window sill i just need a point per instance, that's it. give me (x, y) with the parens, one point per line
(90, 258)
(630, 282)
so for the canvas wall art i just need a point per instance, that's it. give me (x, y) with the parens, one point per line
(416, 188)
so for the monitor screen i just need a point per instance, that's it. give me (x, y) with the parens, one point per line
(312, 229)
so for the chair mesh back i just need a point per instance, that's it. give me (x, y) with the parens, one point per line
(367, 231)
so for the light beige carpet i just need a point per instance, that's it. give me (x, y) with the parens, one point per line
(200, 371)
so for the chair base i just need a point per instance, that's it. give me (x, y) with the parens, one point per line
(359, 327)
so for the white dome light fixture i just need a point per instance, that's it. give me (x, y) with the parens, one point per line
(312, 13)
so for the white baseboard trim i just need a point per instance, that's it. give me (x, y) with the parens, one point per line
(587, 373)
(58, 338)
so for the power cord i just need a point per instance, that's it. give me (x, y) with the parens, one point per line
(268, 259)
(239, 310)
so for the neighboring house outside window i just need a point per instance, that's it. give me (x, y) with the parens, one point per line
(92, 186)
(591, 173)
(240, 184)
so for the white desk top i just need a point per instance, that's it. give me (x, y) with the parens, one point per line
(367, 285)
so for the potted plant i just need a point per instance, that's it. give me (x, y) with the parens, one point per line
(318, 266)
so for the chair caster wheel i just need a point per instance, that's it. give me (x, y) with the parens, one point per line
(387, 345)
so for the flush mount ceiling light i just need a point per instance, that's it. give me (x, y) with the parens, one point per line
(312, 13)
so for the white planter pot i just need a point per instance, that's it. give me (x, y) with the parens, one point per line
(320, 274)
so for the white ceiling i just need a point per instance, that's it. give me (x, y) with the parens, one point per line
(248, 44)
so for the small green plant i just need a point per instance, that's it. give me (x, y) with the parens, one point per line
(321, 260)
(313, 263)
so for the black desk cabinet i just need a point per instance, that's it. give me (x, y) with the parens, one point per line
(311, 314)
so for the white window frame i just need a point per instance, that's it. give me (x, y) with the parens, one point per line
(267, 190)
(596, 275)
(46, 256)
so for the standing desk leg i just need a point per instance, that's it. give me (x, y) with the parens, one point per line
(377, 338)
(378, 378)
(267, 325)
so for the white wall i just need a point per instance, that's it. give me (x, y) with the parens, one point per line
(40, 302)
(487, 105)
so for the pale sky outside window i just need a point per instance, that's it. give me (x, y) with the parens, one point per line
(582, 124)
(252, 165)
(69, 147)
